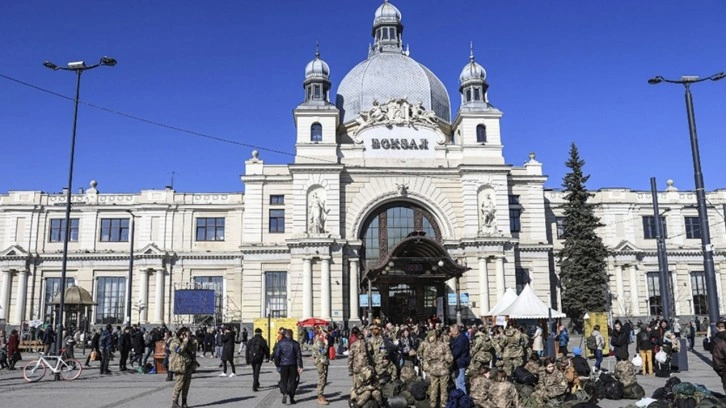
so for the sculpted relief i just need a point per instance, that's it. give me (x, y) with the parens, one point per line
(397, 112)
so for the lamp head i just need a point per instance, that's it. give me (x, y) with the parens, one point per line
(50, 65)
(655, 80)
(76, 65)
(108, 61)
(716, 77)
(689, 78)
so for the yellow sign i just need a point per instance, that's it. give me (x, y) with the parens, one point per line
(275, 326)
(601, 319)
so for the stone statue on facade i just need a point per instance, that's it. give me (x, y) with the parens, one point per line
(488, 215)
(317, 215)
(396, 112)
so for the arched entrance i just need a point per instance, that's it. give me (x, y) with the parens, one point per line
(404, 265)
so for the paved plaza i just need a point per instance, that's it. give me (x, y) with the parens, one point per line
(133, 390)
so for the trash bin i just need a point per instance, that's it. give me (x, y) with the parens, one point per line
(159, 355)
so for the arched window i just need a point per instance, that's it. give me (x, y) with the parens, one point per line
(481, 134)
(390, 224)
(316, 132)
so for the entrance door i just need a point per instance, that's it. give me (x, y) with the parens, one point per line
(401, 303)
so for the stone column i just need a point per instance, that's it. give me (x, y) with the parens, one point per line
(619, 288)
(500, 276)
(354, 288)
(22, 293)
(634, 293)
(325, 300)
(143, 295)
(159, 298)
(483, 287)
(5, 295)
(307, 288)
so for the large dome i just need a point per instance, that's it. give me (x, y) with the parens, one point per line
(384, 76)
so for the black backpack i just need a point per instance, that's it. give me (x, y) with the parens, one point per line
(614, 390)
(522, 376)
(591, 342)
(256, 351)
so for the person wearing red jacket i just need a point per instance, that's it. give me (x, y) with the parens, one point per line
(13, 349)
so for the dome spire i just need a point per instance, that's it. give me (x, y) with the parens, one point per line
(471, 51)
(387, 29)
(317, 78)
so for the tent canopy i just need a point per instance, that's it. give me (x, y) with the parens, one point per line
(529, 306)
(75, 296)
(509, 297)
(312, 322)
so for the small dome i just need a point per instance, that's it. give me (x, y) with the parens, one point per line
(472, 70)
(387, 13)
(317, 68)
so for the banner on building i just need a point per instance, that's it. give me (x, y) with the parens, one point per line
(194, 302)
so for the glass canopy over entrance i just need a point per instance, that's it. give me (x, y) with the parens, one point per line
(404, 264)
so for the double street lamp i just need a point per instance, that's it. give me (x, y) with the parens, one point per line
(78, 67)
(706, 247)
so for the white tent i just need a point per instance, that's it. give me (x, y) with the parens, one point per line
(529, 306)
(509, 297)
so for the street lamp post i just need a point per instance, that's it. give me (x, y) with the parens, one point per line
(78, 67)
(130, 277)
(706, 247)
(665, 276)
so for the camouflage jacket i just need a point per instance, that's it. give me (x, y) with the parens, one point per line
(481, 347)
(502, 395)
(510, 344)
(438, 358)
(378, 351)
(357, 356)
(479, 389)
(551, 385)
(320, 351)
(532, 366)
(625, 373)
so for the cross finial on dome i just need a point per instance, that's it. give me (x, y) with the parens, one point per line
(471, 51)
(317, 49)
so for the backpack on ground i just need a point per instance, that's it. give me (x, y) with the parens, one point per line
(591, 343)
(522, 376)
(614, 390)
(634, 392)
(457, 399)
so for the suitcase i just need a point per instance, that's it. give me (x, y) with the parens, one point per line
(331, 353)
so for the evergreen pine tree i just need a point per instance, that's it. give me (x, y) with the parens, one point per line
(583, 274)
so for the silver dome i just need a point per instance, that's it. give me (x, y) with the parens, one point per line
(472, 71)
(384, 76)
(386, 13)
(317, 68)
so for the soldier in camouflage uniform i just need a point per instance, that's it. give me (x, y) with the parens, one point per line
(378, 351)
(551, 386)
(510, 348)
(502, 393)
(320, 356)
(532, 364)
(357, 353)
(481, 353)
(625, 372)
(365, 388)
(437, 363)
(182, 348)
(479, 386)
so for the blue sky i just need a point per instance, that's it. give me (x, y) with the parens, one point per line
(561, 71)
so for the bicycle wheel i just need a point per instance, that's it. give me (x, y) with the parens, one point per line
(34, 371)
(70, 369)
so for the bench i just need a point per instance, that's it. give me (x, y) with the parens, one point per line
(31, 345)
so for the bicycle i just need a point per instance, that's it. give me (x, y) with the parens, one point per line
(67, 369)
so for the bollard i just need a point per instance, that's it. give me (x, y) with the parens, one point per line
(683, 355)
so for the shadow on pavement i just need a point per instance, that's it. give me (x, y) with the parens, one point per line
(224, 401)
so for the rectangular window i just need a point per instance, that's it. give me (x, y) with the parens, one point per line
(276, 293)
(655, 307)
(649, 227)
(110, 300)
(215, 283)
(210, 229)
(316, 90)
(277, 199)
(277, 221)
(522, 279)
(698, 289)
(58, 230)
(693, 227)
(468, 95)
(560, 224)
(52, 289)
(114, 229)
(515, 224)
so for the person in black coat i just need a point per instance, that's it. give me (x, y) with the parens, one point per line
(124, 347)
(94, 346)
(137, 339)
(288, 359)
(256, 352)
(228, 351)
(620, 338)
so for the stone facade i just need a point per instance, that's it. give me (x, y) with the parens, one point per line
(306, 227)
